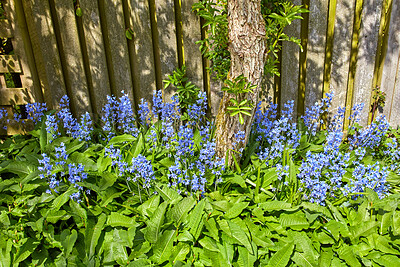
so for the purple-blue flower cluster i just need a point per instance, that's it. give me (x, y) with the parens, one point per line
(57, 176)
(118, 116)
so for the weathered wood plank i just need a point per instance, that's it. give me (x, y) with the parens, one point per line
(191, 30)
(316, 51)
(167, 40)
(96, 54)
(390, 67)
(290, 65)
(118, 61)
(5, 29)
(394, 117)
(48, 64)
(367, 46)
(341, 51)
(15, 96)
(23, 48)
(10, 64)
(143, 46)
(74, 72)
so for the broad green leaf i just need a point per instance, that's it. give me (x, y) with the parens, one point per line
(138, 147)
(282, 256)
(149, 206)
(54, 216)
(61, 200)
(80, 158)
(68, 240)
(236, 210)
(74, 146)
(107, 180)
(109, 195)
(388, 260)
(209, 244)
(169, 194)
(275, 205)
(4, 220)
(396, 223)
(363, 229)
(21, 168)
(152, 231)
(346, 253)
(296, 221)
(195, 216)
(179, 252)
(211, 226)
(304, 244)
(245, 258)
(163, 248)
(114, 249)
(240, 236)
(180, 210)
(117, 219)
(121, 139)
(325, 259)
(25, 250)
(98, 228)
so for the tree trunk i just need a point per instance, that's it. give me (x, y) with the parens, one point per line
(247, 45)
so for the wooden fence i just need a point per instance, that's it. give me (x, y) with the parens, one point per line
(350, 46)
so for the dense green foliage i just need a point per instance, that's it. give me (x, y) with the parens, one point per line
(254, 215)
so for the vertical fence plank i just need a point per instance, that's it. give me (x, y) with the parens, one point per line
(290, 64)
(316, 51)
(394, 117)
(48, 64)
(168, 47)
(23, 48)
(143, 43)
(96, 53)
(191, 30)
(341, 51)
(74, 70)
(390, 68)
(367, 47)
(118, 61)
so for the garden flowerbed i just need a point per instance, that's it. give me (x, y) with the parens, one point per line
(151, 191)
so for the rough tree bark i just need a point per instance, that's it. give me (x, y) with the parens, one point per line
(247, 45)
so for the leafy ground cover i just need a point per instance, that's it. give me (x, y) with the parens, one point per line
(149, 190)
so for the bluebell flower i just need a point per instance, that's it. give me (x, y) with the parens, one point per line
(35, 111)
(142, 169)
(4, 118)
(52, 126)
(144, 112)
(61, 154)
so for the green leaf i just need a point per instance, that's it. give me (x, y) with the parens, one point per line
(152, 231)
(25, 250)
(180, 210)
(98, 228)
(128, 34)
(325, 259)
(296, 221)
(179, 252)
(138, 147)
(78, 12)
(346, 253)
(240, 236)
(363, 229)
(121, 139)
(149, 206)
(117, 219)
(163, 247)
(236, 210)
(282, 256)
(245, 258)
(388, 260)
(275, 205)
(68, 240)
(195, 217)
(209, 244)
(61, 200)
(169, 194)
